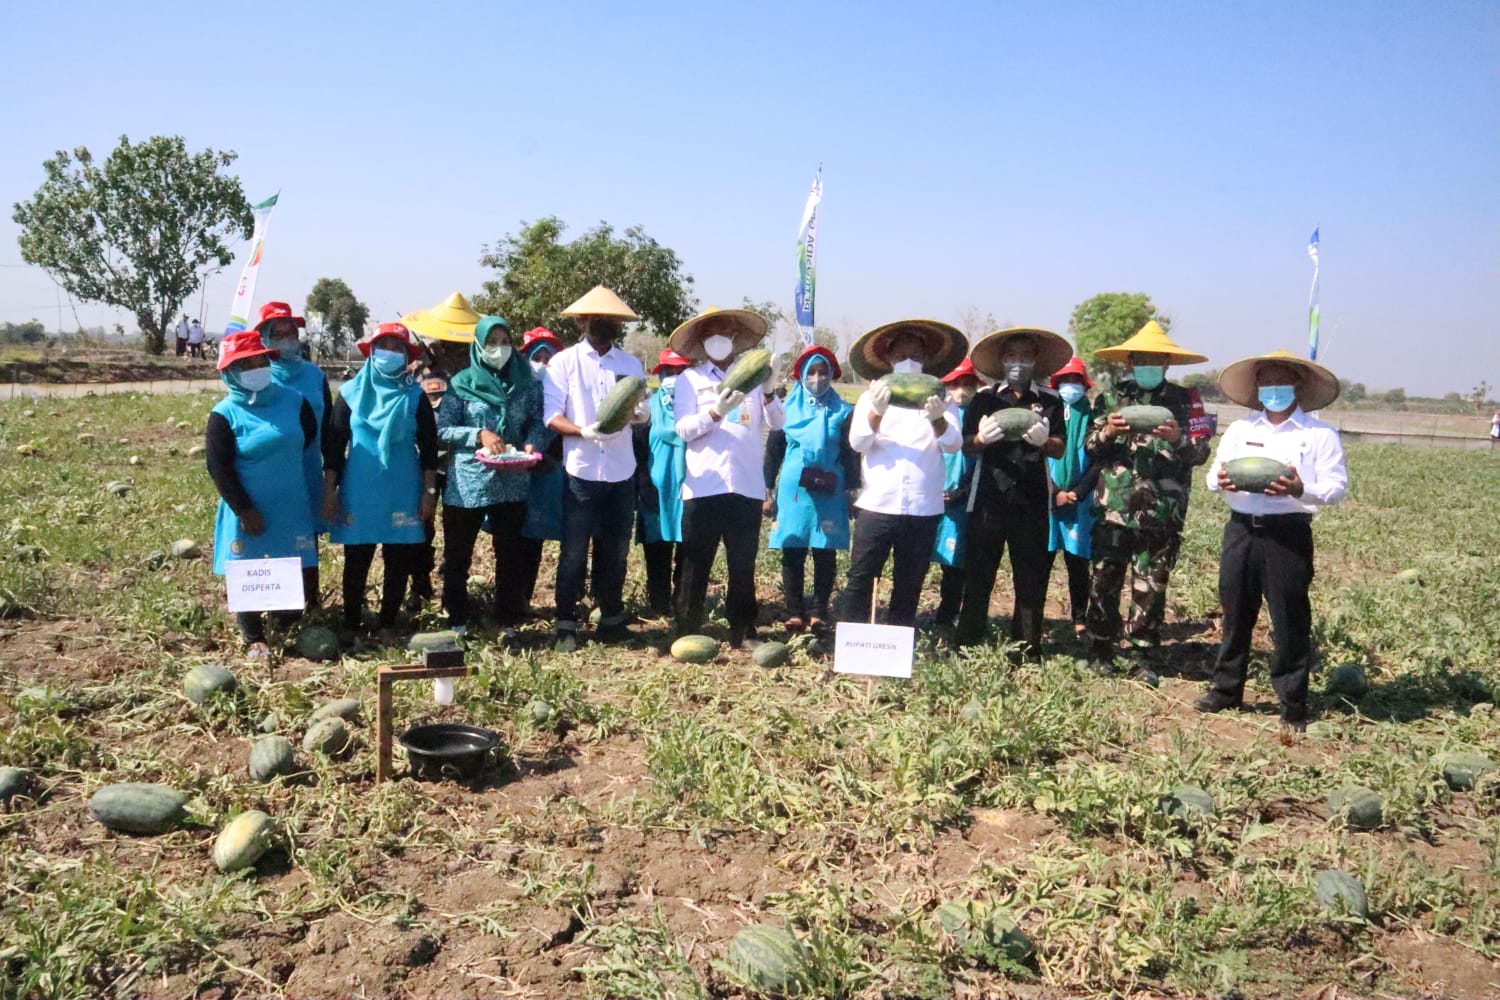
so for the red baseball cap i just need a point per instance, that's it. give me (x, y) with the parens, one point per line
(277, 310)
(817, 352)
(240, 345)
(965, 369)
(1073, 367)
(413, 350)
(538, 335)
(668, 358)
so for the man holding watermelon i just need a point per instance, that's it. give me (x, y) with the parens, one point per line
(1276, 467)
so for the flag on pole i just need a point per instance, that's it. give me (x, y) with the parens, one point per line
(1312, 300)
(244, 292)
(807, 252)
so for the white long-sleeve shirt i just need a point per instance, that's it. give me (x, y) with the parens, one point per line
(576, 382)
(903, 461)
(727, 455)
(1310, 446)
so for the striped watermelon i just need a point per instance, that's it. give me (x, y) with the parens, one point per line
(770, 959)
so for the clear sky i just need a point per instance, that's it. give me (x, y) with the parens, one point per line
(1011, 158)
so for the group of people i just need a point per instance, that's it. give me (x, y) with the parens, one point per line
(911, 475)
(189, 337)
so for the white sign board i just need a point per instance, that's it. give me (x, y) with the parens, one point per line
(264, 584)
(878, 650)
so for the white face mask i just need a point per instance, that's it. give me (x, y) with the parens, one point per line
(495, 355)
(718, 347)
(911, 366)
(668, 384)
(255, 380)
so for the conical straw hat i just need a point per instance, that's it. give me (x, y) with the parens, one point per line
(1150, 339)
(1318, 387)
(600, 301)
(1052, 352)
(749, 329)
(945, 345)
(452, 320)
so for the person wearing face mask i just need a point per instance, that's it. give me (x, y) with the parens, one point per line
(380, 460)
(901, 499)
(958, 473)
(809, 470)
(278, 330)
(1140, 503)
(544, 493)
(1071, 477)
(1009, 502)
(434, 387)
(254, 443)
(1268, 545)
(723, 492)
(661, 467)
(495, 404)
(599, 482)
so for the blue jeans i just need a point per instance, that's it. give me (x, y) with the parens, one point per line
(602, 513)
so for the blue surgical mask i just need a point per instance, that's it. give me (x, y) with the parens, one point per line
(815, 384)
(1277, 398)
(388, 363)
(287, 348)
(1071, 392)
(254, 380)
(1148, 377)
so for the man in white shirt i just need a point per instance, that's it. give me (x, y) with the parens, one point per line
(1268, 543)
(902, 462)
(182, 335)
(724, 489)
(195, 339)
(598, 501)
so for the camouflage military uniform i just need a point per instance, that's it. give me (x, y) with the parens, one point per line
(1140, 505)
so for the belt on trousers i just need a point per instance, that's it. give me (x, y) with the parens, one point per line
(1254, 521)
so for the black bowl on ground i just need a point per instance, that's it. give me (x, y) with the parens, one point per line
(448, 750)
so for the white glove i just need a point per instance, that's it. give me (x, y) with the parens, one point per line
(642, 414)
(726, 403)
(989, 430)
(1036, 435)
(934, 409)
(880, 398)
(591, 432)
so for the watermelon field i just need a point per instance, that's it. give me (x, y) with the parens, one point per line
(988, 829)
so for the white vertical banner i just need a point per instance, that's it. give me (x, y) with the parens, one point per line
(807, 261)
(244, 292)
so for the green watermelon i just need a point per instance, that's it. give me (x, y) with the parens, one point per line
(272, 757)
(1358, 806)
(348, 709)
(317, 643)
(1255, 474)
(1410, 577)
(1348, 681)
(748, 372)
(14, 781)
(139, 808)
(695, 649)
(425, 641)
(243, 840)
(540, 712)
(1016, 421)
(118, 489)
(977, 929)
(1144, 419)
(1463, 770)
(972, 711)
(329, 737)
(770, 959)
(1339, 892)
(619, 403)
(205, 680)
(771, 654)
(911, 391)
(1189, 802)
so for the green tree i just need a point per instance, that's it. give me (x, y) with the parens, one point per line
(1352, 392)
(1109, 319)
(32, 332)
(138, 232)
(1207, 384)
(539, 276)
(341, 316)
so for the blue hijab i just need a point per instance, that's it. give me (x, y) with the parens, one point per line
(382, 404)
(812, 421)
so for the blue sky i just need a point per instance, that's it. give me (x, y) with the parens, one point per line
(1009, 158)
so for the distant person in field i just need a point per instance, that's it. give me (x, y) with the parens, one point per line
(434, 387)
(495, 404)
(256, 438)
(1009, 503)
(659, 524)
(724, 491)
(1140, 504)
(599, 467)
(195, 339)
(545, 491)
(1071, 482)
(279, 330)
(901, 499)
(1495, 426)
(1268, 542)
(380, 460)
(810, 469)
(182, 335)
(963, 384)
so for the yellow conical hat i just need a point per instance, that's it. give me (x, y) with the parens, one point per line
(452, 320)
(600, 301)
(1150, 339)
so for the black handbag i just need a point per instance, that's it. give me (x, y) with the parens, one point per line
(818, 481)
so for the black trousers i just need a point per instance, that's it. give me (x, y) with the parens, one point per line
(253, 623)
(794, 580)
(663, 574)
(707, 521)
(907, 539)
(992, 529)
(312, 589)
(400, 560)
(528, 565)
(601, 514)
(460, 530)
(1078, 582)
(1268, 559)
(950, 595)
